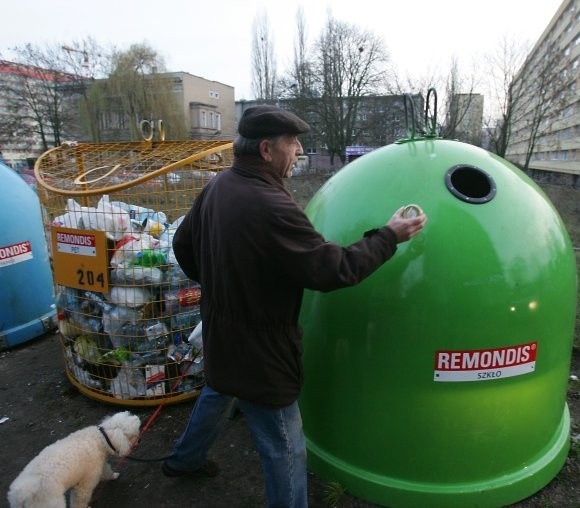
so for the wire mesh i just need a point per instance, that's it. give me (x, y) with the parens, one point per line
(129, 317)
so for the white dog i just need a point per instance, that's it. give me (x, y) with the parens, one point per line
(76, 463)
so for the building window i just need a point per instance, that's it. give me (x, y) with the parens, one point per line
(218, 117)
(203, 119)
(211, 120)
(214, 95)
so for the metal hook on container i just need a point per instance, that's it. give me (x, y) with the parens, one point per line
(431, 119)
(148, 128)
(161, 130)
(407, 98)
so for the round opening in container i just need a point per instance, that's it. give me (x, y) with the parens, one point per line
(470, 184)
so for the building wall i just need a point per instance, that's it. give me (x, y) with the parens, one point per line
(470, 109)
(557, 146)
(208, 106)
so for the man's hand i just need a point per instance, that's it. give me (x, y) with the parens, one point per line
(405, 229)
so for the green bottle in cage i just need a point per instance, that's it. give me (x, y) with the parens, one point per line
(150, 257)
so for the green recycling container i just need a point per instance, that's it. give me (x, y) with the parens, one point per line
(440, 381)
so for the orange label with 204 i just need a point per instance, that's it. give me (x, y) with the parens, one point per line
(80, 258)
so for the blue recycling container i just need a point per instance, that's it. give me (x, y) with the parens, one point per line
(27, 308)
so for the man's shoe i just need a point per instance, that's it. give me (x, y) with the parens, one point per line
(208, 470)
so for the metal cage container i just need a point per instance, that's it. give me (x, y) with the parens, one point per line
(128, 316)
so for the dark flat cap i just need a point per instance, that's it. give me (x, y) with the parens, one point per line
(265, 121)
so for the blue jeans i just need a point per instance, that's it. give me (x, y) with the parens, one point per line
(277, 433)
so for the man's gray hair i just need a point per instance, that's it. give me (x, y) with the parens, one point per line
(250, 146)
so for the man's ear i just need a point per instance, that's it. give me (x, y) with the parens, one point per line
(265, 150)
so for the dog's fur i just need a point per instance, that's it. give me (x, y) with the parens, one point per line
(76, 463)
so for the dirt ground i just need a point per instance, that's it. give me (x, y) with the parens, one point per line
(42, 406)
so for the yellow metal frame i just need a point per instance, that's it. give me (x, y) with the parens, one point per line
(68, 163)
(139, 402)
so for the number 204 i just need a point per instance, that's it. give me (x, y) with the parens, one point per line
(88, 278)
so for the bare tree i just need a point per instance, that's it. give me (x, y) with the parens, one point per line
(88, 61)
(461, 107)
(505, 94)
(296, 87)
(38, 97)
(263, 61)
(301, 74)
(349, 63)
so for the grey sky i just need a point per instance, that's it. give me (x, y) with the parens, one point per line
(213, 39)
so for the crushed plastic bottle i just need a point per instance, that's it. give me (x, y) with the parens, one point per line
(123, 325)
(80, 311)
(136, 275)
(185, 322)
(175, 278)
(128, 384)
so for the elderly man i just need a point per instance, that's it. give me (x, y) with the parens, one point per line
(254, 251)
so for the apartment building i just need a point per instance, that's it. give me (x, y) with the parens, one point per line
(546, 129)
(208, 106)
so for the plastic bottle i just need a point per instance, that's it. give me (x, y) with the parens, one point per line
(124, 326)
(185, 322)
(150, 257)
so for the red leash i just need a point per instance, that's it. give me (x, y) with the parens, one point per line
(156, 413)
(121, 461)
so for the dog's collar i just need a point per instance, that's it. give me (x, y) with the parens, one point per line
(102, 431)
